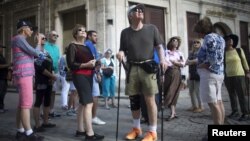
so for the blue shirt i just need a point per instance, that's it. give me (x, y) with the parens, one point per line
(92, 48)
(212, 53)
(62, 66)
(53, 51)
(156, 57)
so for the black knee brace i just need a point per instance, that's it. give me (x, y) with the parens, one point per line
(135, 103)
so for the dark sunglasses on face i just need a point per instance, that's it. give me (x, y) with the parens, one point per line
(55, 35)
(81, 30)
(44, 38)
(174, 40)
(196, 42)
(140, 10)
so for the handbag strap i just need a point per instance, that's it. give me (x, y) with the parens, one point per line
(241, 59)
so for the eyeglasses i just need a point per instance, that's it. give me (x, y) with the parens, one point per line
(55, 35)
(44, 38)
(140, 10)
(174, 40)
(196, 42)
(82, 30)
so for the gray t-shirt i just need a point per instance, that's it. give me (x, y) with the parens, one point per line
(139, 45)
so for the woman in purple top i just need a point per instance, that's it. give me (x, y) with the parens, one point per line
(23, 72)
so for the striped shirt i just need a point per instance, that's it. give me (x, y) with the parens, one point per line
(23, 57)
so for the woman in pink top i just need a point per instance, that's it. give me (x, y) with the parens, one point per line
(172, 80)
(23, 72)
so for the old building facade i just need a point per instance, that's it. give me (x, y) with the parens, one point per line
(109, 17)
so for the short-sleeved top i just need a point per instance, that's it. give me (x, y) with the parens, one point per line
(53, 51)
(92, 47)
(174, 56)
(212, 53)
(139, 45)
(107, 63)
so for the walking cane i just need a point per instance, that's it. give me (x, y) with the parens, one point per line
(118, 107)
(162, 100)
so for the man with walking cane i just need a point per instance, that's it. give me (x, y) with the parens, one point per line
(141, 75)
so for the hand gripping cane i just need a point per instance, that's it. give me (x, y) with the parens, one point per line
(162, 99)
(118, 107)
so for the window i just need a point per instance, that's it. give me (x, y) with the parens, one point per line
(155, 15)
(244, 39)
(70, 19)
(192, 19)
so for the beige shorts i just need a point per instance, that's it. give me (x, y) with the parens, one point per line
(141, 82)
(210, 86)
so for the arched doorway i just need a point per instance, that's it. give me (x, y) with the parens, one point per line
(222, 29)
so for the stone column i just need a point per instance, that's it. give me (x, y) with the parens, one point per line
(100, 25)
(110, 24)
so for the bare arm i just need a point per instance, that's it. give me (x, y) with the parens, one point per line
(192, 62)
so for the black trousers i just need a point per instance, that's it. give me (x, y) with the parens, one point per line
(236, 87)
(3, 90)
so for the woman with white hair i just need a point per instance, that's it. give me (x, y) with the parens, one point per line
(108, 79)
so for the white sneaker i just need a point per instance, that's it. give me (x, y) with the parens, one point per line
(98, 121)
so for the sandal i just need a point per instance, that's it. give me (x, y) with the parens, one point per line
(48, 125)
(171, 118)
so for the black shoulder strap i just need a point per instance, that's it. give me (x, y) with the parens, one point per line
(111, 63)
(241, 59)
(239, 52)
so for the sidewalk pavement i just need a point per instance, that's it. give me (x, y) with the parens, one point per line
(188, 125)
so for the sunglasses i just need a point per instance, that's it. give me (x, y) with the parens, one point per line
(196, 42)
(55, 35)
(139, 10)
(81, 30)
(44, 38)
(174, 40)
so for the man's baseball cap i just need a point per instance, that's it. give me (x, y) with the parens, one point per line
(22, 23)
(133, 7)
(2, 46)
